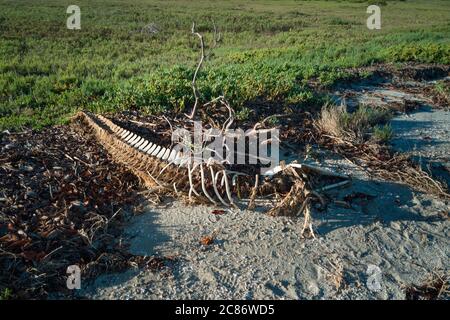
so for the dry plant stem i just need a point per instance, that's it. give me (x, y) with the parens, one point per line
(171, 130)
(291, 202)
(251, 203)
(217, 35)
(262, 123)
(335, 272)
(203, 56)
(298, 197)
(307, 224)
(398, 168)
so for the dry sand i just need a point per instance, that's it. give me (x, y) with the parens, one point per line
(259, 257)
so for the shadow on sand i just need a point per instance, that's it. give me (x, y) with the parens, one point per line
(375, 201)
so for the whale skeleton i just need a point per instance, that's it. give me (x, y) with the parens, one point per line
(159, 166)
(208, 182)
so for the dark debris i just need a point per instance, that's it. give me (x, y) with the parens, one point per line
(63, 201)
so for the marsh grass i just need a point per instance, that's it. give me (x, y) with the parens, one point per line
(355, 127)
(383, 134)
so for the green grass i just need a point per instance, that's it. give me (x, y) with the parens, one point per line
(269, 50)
(5, 294)
(383, 134)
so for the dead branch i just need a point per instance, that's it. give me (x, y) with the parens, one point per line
(203, 56)
(199, 65)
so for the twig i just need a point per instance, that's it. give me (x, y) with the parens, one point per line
(199, 65)
(251, 204)
(50, 253)
(203, 56)
(333, 186)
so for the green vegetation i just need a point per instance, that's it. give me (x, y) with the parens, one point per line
(243, 114)
(5, 294)
(442, 88)
(268, 51)
(383, 134)
(273, 121)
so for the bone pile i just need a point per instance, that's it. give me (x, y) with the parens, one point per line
(158, 166)
(209, 182)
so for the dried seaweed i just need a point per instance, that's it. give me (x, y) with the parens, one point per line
(435, 286)
(62, 203)
(380, 162)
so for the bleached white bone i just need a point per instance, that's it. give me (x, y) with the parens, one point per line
(148, 147)
(325, 172)
(124, 134)
(178, 158)
(227, 188)
(114, 127)
(137, 145)
(143, 145)
(214, 178)
(129, 136)
(118, 130)
(161, 152)
(191, 184)
(185, 161)
(156, 151)
(136, 141)
(205, 192)
(132, 137)
(166, 154)
(163, 169)
(150, 151)
(172, 155)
